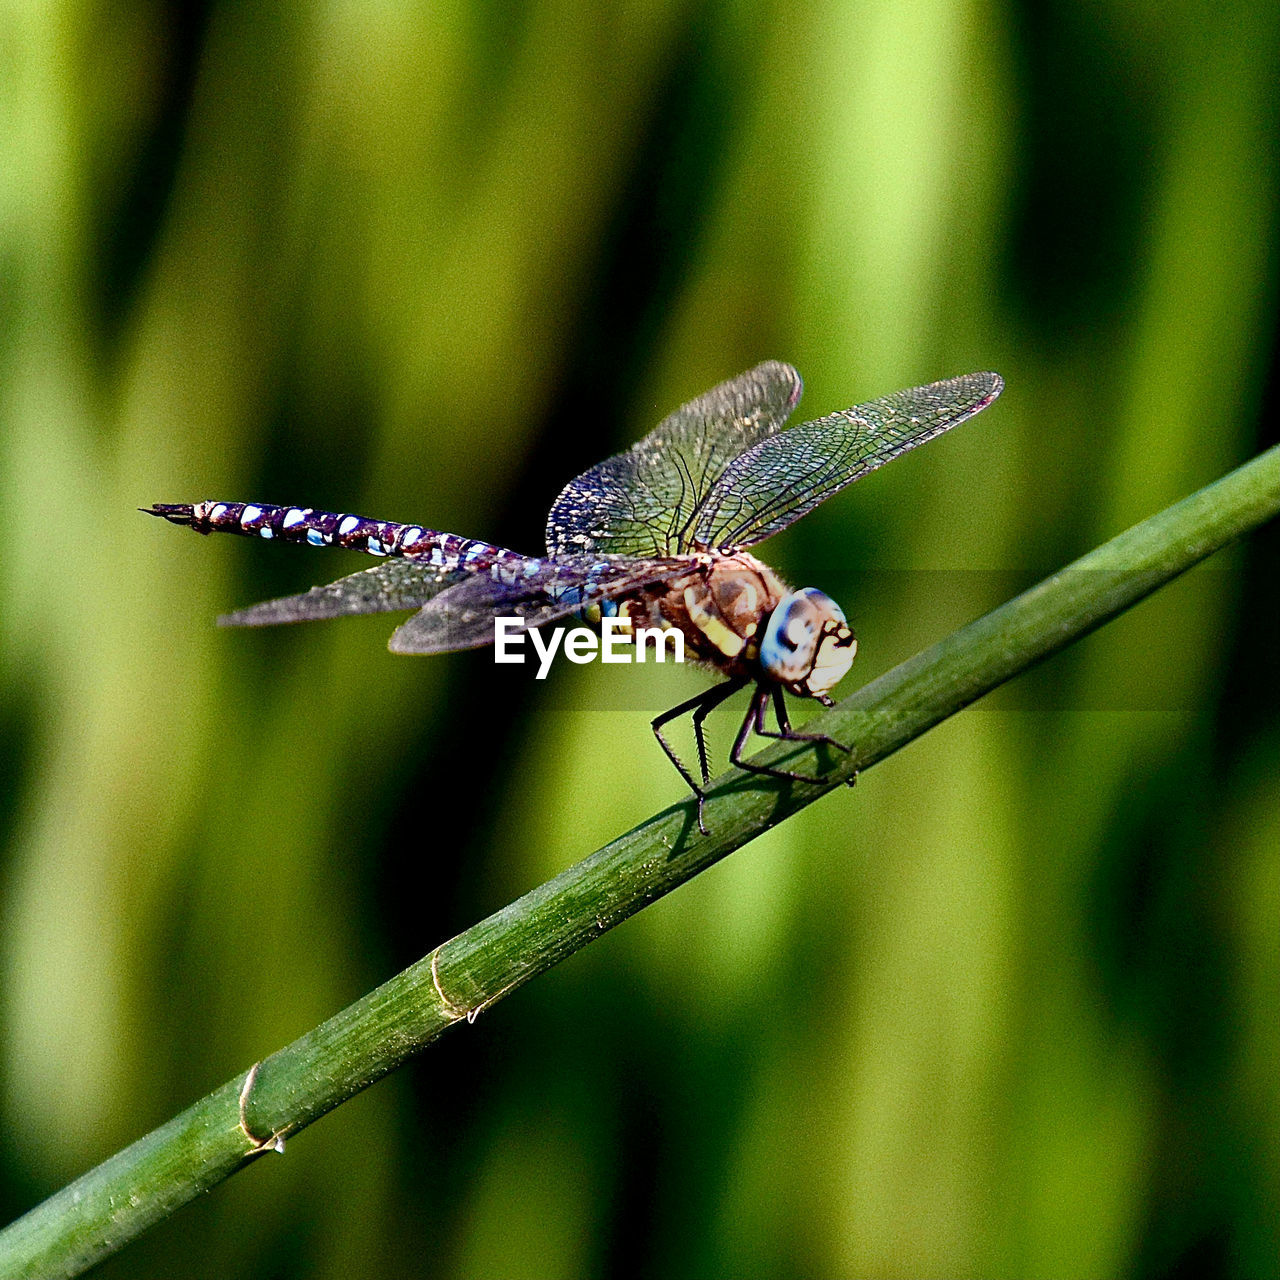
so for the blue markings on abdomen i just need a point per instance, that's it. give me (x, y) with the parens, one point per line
(355, 533)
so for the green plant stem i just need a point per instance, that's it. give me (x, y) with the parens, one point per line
(119, 1199)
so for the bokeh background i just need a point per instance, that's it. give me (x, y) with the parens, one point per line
(1007, 1009)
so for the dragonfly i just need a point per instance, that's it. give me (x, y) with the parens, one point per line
(657, 536)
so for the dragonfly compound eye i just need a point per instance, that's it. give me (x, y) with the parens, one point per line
(807, 643)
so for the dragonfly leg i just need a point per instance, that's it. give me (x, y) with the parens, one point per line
(786, 733)
(705, 706)
(700, 705)
(754, 720)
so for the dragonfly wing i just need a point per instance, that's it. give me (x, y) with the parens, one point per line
(784, 477)
(646, 502)
(393, 584)
(463, 616)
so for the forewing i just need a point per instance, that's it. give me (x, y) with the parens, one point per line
(786, 476)
(463, 616)
(392, 584)
(647, 501)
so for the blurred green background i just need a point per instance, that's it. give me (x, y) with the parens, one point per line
(1011, 1007)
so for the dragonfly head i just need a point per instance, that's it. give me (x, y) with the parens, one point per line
(808, 644)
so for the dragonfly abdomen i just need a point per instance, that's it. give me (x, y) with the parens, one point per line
(333, 529)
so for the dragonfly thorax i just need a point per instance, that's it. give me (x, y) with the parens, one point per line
(739, 616)
(722, 611)
(808, 645)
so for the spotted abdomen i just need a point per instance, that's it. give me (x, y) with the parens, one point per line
(333, 529)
